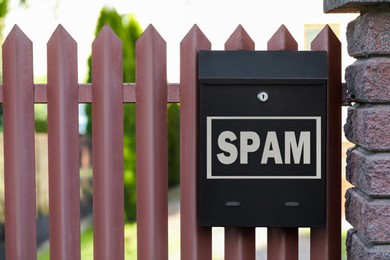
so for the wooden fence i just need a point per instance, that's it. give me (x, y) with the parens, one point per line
(151, 93)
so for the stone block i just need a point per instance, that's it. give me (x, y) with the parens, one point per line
(370, 217)
(349, 6)
(358, 248)
(369, 171)
(368, 80)
(369, 35)
(368, 126)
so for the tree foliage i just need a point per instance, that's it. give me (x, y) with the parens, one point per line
(3, 8)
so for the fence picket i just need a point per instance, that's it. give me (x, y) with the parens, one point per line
(240, 40)
(63, 146)
(282, 242)
(107, 145)
(326, 242)
(282, 40)
(240, 243)
(19, 147)
(152, 146)
(195, 240)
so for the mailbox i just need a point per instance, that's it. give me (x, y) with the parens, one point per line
(262, 150)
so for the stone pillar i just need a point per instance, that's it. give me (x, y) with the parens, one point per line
(368, 126)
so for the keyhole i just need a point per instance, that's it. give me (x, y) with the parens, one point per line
(262, 96)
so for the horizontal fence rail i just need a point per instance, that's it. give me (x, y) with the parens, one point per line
(85, 93)
(150, 93)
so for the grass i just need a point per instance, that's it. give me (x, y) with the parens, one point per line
(343, 247)
(87, 244)
(131, 245)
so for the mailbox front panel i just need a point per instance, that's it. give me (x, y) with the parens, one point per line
(262, 139)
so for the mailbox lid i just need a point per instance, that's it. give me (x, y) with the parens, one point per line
(231, 67)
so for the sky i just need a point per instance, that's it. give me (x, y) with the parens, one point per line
(172, 19)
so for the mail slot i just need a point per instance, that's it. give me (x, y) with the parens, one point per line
(262, 138)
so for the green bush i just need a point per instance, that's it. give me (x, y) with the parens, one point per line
(40, 126)
(173, 145)
(40, 118)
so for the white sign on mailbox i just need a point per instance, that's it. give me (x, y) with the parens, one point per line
(260, 150)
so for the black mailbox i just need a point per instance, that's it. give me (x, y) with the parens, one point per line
(262, 150)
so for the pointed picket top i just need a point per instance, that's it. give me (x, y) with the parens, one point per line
(282, 40)
(324, 39)
(61, 39)
(327, 41)
(17, 58)
(16, 33)
(194, 41)
(16, 37)
(150, 38)
(240, 40)
(61, 54)
(150, 58)
(61, 60)
(107, 38)
(195, 36)
(107, 57)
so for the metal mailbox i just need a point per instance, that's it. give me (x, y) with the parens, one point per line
(262, 135)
